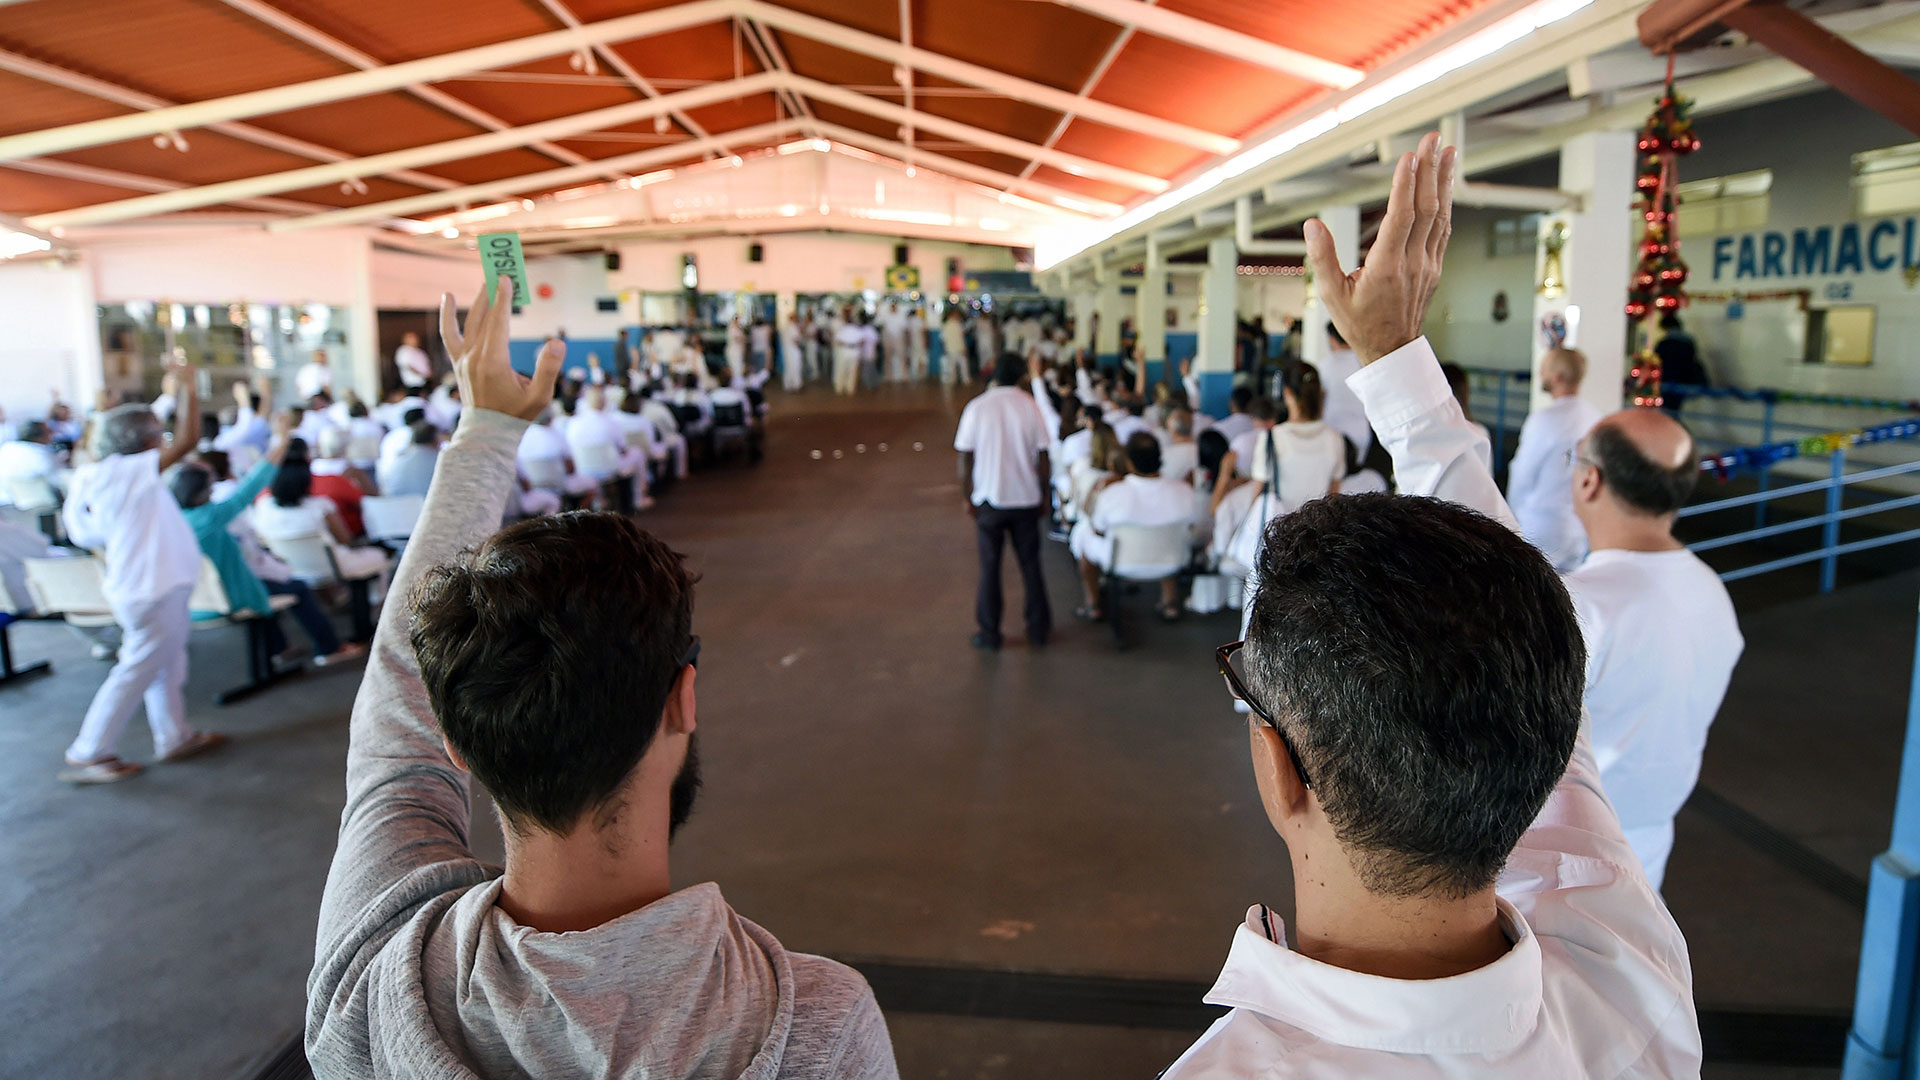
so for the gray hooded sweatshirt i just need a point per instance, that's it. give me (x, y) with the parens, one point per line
(417, 971)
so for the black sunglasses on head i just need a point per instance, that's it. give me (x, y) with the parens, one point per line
(1224, 655)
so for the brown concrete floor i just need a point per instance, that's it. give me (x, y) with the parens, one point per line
(875, 789)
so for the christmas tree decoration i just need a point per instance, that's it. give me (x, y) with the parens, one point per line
(1659, 282)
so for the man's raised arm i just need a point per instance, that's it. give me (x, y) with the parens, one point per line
(403, 835)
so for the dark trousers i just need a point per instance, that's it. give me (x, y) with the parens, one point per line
(994, 527)
(308, 612)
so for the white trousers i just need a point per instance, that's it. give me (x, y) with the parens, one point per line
(846, 370)
(536, 503)
(676, 445)
(791, 373)
(917, 356)
(152, 667)
(895, 348)
(812, 349)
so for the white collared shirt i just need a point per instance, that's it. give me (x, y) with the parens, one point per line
(1540, 479)
(1597, 983)
(1003, 431)
(1662, 640)
(1342, 410)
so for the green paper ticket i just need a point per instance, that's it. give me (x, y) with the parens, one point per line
(500, 254)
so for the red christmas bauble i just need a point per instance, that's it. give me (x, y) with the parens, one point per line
(1666, 302)
(1636, 311)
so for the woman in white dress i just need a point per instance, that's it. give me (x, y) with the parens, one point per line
(792, 372)
(1311, 457)
(737, 348)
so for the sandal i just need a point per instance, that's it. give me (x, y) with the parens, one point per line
(1170, 613)
(105, 771)
(350, 651)
(1088, 613)
(199, 743)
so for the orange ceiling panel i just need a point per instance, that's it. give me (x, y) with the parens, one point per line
(1040, 42)
(597, 10)
(183, 50)
(1206, 90)
(874, 16)
(697, 52)
(1142, 153)
(743, 112)
(858, 121)
(830, 63)
(210, 158)
(31, 105)
(500, 166)
(409, 29)
(23, 192)
(616, 144)
(1001, 115)
(370, 125)
(520, 103)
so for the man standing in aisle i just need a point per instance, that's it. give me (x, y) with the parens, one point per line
(1465, 903)
(119, 505)
(1661, 633)
(1003, 472)
(413, 363)
(848, 341)
(1540, 477)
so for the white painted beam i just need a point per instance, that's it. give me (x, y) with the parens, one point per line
(362, 83)
(639, 161)
(1214, 38)
(1513, 197)
(990, 140)
(340, 50)
(966, 170)
(946, 67)
(470, 146)
(121, 95)
(638, 81)
(1243, 238)
(68, 170)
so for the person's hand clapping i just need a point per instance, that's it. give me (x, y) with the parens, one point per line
(1381, 306)
(480, 360)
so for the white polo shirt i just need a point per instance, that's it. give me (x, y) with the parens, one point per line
(1540, 479)
(1003, 431)
(119, 505)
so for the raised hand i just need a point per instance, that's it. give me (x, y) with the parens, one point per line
(480, 359)
(1380, 306)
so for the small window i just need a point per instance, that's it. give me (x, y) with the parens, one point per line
(1514, 236)
(1886, 181)
(1718, 205)
(1841, 336)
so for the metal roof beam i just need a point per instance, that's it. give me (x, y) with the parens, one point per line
(361, 83)
(68, 170)
(120, 95)
(945, 67)
(966, 170)
(340, 50)
(1214, 38)
(419, 155)
(639, 82)
(639, 161)
(989, 140)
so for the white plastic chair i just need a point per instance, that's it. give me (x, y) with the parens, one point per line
(598, 460)
(547, 474)
(391, 517)
(73, 589)
(1143, 553)
(364, 451)
(210, 595)
(31, 494)
(310, 557)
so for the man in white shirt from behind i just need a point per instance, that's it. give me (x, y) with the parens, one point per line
(1540, 477)
(848, 341)
(1237, 422)
(1145, 498)
(1003, 443)
(120, 505)
(1465, 903)
(593, 436)
(1662, 638)
(544, 462)
(1342, 411)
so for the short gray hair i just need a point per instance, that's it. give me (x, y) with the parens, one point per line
(126, 429)
(333, 442)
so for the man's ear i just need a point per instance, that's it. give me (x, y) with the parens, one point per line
(1274, 771)
(454, 755)
(1587, 485)
(678, 717)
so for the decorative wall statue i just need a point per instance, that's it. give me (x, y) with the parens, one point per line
(1553, 278)
(1500, 311)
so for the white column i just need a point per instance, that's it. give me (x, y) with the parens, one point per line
(1344, 223)
(1150, 312)
(1081, 296)
(1597, 259)
(1219, 289)
(363, 329)
(1107, 301)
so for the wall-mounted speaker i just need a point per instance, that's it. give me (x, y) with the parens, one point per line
(899, 254)
(613, 260)
(755, 253)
